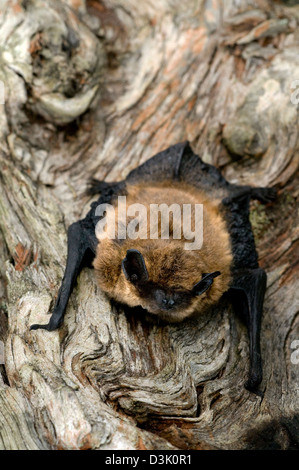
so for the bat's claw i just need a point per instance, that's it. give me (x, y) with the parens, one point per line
(39, 327)
(265, 195)
(253, 382)
(96, 186)
(53, 324)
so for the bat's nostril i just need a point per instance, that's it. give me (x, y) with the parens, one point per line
(168, 303)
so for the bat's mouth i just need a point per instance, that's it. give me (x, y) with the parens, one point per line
(173, 315)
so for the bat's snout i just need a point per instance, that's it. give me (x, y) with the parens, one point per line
(168, 303)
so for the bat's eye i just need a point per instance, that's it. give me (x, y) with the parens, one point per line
(133, 278)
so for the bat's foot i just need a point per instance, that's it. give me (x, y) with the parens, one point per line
(53, 324)
(40, 327)
(264, 195)
(253, 382)
(251, 385)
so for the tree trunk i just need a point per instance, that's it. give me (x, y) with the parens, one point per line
(95, 88)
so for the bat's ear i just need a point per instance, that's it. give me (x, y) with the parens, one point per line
(134, 268)
(205, 283)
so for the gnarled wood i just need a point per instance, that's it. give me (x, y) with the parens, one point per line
(94, 89)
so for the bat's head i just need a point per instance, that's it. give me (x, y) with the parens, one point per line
(165, 299)
(170, 283)
(158, 269)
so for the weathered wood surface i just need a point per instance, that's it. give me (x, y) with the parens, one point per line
(94, 89)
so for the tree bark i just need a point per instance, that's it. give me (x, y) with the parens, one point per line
(93, 89)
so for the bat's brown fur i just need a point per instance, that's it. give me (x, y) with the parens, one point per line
(168, 263)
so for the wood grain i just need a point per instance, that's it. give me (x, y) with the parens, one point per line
(93, 89)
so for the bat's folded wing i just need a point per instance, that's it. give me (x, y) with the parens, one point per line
(178, 163)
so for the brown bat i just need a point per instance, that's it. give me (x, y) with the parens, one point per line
(158, 271)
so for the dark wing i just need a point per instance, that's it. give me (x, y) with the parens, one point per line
(179, 163)
(247, 295)
(82, 245)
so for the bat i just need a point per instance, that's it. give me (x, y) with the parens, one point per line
(157, 268)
